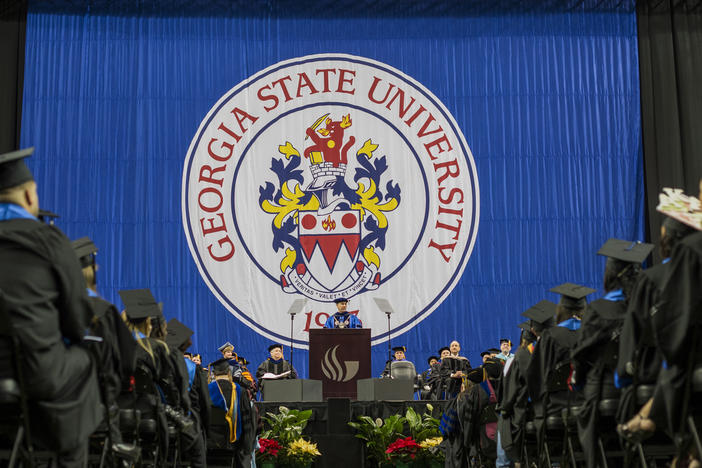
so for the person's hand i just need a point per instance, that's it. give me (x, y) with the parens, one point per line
(457, 374)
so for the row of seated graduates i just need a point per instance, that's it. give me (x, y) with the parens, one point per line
(571, 393)
(71, 365)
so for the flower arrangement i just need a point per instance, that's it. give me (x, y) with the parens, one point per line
(301, 452)
(268, 450)
(282, 443)
(403, 450)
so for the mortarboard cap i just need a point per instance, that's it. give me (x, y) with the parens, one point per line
(46, 216)
(572, 295)
(541, 312)
(494, 351)
(178, 333)
(85, 249)
(13, 170)
(274, 345)
(340, 299)
(432, 357)
(445, 348)
(220, 366)
(626, 251)
(493, 368)
(484, 353)
(524, 326)
(225, 346)
(242, 360)
(399, 348)
(506, 340)
(139, 303)
(476, 374)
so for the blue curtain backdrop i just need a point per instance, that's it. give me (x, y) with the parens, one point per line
(548, 103)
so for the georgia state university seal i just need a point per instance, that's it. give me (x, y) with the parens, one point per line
(329, 176)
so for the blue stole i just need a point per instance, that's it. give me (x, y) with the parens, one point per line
(192, 367)
(10, 211)
(615, 295)
(571, 324)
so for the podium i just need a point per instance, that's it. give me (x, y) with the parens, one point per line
(292, 390)
(339, 358)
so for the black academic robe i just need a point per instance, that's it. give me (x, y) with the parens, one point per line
(594, 359)
(200, 399)
(549, 369)
(451, 386)
(274, 367)
(677, 331)
(116, 352)
(639, 357)
(514, 406)
(44, 290)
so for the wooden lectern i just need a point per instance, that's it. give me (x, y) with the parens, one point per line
(340, 357)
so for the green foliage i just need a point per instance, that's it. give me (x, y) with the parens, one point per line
(422, 427)
(286, 426)
(378, 434)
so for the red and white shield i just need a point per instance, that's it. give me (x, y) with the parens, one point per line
(330, 244)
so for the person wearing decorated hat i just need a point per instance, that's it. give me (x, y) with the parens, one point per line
(48, 310)
(342, 318)
(275, 367)
(427, 377)
(594, 354)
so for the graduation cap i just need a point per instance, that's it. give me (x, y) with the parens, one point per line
(485, 353)
(572, 295)
(225, 346)
(494, 351)
(432, 357)
(493, 368)
(445, 348)
(275, 345)
(139, 303)
(85, 250)
(340, 299)
(178, 333)
(506, 340)
(524, 326)
(476, 374)
(220, 366)
(541, 312)
(13, 170)
(399, 348)
(626, 251)
(46, 216)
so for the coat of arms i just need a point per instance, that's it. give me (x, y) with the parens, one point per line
(330, 235)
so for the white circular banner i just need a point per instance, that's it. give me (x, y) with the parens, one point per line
(330, 176)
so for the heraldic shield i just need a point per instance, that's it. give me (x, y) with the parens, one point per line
(330, 246)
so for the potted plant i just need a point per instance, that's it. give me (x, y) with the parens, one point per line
(378, 434)
(431, 454)
(403, 452)
(267, 452)
(300, 453)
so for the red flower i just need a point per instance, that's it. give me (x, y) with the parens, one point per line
(406, 446)
(268, 447)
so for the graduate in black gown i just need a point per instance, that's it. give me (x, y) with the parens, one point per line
(514, 407)
(595, 353)
(425, 393)
(274, 366)
(550, 365)
(46, 301)
(116, 352)
(640, 359)
(192, 440)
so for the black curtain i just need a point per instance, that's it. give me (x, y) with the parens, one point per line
(13, 23)
(670, 60)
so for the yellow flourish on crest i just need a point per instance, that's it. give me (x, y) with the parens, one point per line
(289, 203)
(370, 202)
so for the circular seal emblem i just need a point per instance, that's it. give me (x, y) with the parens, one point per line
(330, 176)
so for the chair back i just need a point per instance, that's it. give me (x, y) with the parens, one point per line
(403, 370)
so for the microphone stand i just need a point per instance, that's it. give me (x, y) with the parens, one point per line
(389, 343)
(292, 319)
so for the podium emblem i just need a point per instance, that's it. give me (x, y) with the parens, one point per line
(333, 369)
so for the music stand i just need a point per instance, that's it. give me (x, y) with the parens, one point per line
(385, 307)
(295, 308)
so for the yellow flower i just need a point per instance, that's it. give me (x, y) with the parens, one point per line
(303, 447)
(428, 443)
